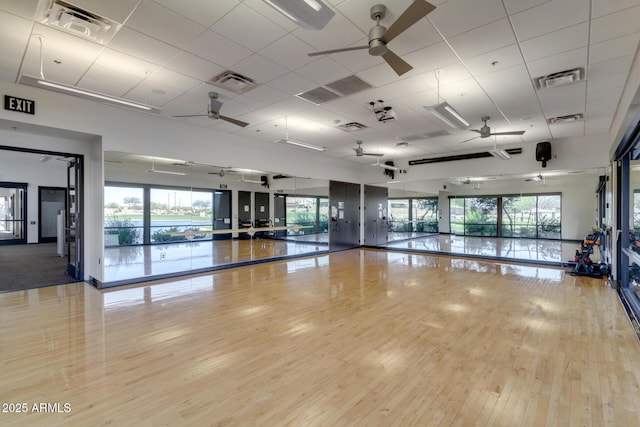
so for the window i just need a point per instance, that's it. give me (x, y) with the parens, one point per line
(308, 211)
(424, 214)
(179, 211)
(399, 215)
(123, 216)
(528, 216)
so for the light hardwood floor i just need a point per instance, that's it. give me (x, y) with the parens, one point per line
(355, 338)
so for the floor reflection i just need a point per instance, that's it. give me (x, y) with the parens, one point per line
(133, 262)
(528, 250)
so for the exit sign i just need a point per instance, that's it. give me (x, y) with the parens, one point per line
(20, 105)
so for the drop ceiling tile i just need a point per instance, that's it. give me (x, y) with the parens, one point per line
(203, 12)
(484, 39)
(116, 10)
(144, 47)
(432, 57)
(68, 69)
(115, 73)
(556, 42)
(261, 7)
(609, 75)
(292, 84)
(161, 87)
(60, 43)
(266, 94)
(218, 49)
(511, 89)
(194, 66)
(259, 68)
(563, 100)
(161, 23)
(15, 34)
(567, 130)
(497, 60)
(516, 6)
(614, 48)
(457, 17)
(548, 17)
(256, 31)
(289, 52)
(240, 105)
(338, 33)
(323, 71)
(553, 64)
(615, 25)
(104, 79)
(600, 8)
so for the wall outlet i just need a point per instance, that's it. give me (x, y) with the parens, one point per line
(163, 255)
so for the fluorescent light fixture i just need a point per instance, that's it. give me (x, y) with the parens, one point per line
(302, 144)
(251, 181)
(448, 115)
(501, 154)
(87, 94)
(537, 178)
(309, 14)
(167, 172)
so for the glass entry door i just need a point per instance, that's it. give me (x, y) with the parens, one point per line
(73, 223)
(13, 213)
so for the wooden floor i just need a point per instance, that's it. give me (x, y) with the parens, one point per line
(355, 338)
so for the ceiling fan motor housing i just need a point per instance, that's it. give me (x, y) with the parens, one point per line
(377, 46)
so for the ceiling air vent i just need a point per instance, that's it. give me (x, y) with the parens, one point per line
(72, 19)
(352, 126)
(233, 81)
(318, 95)
(436, 134)
(565, 119)
(349, 85)
(559, 79)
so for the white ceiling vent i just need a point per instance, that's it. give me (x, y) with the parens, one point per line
(67, 17)
(318, 95)
(566, 119)
(559, 79)
(352, 126)
(349, 85)
(234, 82)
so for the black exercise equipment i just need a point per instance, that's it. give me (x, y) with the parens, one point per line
(584, 266)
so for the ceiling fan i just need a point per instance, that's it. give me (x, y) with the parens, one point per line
(214, 112)
(386, 166)
(485, 131)
(536, 178)
(379, 35)
(360, 151)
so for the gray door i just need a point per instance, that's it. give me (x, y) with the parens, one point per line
(222, 213)
(51, 200)
(375, 216)
(344, 215)
(280, 214)
(261, 209)
(13, 213)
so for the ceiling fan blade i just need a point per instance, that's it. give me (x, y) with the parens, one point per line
(515, 132)
(418, 10)
(234, 121)
(470, 139)
(192, 115)
(399, 65)
(476, 130)
(345, 49)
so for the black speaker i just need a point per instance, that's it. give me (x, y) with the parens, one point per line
(543, 152)
(265, 181)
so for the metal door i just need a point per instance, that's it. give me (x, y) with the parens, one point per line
(344, 215)
(280, 214)
(375, 216)
(222, 213)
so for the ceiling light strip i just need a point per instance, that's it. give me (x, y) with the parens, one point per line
(303, 145)
(448, 115)
(87, 94)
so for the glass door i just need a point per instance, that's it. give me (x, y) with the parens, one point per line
(13, 213)
(73, 224)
